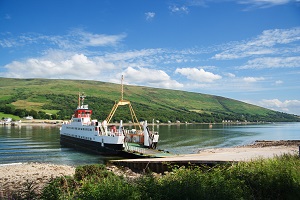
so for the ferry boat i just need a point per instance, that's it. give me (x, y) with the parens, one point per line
(101, 137)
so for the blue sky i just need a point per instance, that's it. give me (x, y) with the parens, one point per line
(246, 50)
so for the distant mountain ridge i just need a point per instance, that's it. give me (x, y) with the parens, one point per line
(56, 99)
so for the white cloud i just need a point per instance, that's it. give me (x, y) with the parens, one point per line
(253, 79)
(77, 66)
(133, 54)
(279, 82)
(230, 75)
(101, 40)
(265, 44)
(265, 3)
(179, 9)
(272, 62)
(150, 77)
(198, 75)
(141, 67)
(149, 15)
(289, 106)
(75, 39)
(8, 43)
(81, 39)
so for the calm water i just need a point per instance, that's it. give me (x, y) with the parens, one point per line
(41, 143)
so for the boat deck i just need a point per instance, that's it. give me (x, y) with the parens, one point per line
(142, 152)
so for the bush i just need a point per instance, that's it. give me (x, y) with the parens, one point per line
(277, 178)
(191, 183)
(89, 171)
(111, 187)
(60, 188)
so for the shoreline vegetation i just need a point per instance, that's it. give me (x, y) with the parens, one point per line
(42, 122)
(20, 180)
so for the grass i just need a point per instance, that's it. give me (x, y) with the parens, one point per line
(23, 104)
(3, 97)
(51, 111)
(3, 115)
(276, 178)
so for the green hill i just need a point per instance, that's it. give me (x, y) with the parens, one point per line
(57, 99)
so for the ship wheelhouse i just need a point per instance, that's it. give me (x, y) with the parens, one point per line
(82, 114)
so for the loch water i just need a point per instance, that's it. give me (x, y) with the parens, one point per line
(27, 143)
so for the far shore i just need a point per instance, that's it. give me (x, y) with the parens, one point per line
(45, 122)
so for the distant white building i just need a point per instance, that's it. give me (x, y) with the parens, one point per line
(6, 120)
(29, 117)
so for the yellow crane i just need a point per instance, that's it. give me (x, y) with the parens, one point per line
(123, 102)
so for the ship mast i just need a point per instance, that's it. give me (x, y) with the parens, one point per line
(80, 99)
(122, 90)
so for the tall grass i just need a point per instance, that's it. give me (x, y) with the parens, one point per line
(276, 178)
(191, 183)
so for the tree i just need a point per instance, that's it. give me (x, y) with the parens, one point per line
(20, 112)
(34, 114)
(9, 109)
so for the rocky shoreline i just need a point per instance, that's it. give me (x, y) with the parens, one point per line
(269, 143)
(16, 176)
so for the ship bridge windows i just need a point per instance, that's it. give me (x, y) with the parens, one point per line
(83, 113)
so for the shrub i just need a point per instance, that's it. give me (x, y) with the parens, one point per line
(60, 188)
(276, 178)
(191, 183)
(111, 187)
(88, 171)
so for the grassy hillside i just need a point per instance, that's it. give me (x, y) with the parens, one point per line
(59, 98)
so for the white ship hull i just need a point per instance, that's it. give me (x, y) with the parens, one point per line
(91, 138)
